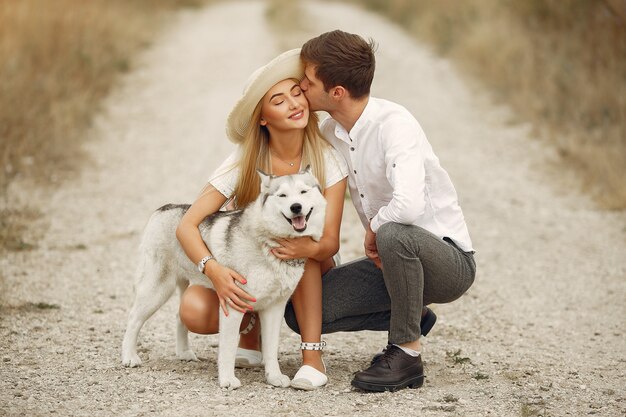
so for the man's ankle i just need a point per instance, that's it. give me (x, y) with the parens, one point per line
(415, 345)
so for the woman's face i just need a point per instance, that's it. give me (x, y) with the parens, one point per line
(285, 107)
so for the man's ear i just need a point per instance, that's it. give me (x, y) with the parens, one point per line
(338, 92)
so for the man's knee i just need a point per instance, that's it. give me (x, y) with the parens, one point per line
(397, 238)
(290, 318)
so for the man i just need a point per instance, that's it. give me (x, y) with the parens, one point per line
(417, 244)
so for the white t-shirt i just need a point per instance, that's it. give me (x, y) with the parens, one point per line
(225, 177)
(394, 175)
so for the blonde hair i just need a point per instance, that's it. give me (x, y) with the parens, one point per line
(256, 155)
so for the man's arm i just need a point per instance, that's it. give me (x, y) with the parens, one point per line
(403, 145)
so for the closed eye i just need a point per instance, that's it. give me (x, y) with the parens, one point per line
(303, 191)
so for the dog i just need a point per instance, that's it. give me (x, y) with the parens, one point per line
(287, 206)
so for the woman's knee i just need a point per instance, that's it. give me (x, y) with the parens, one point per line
(199, 310)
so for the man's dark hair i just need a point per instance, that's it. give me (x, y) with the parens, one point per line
(343, 59)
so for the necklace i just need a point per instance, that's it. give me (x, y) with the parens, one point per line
(285, 162)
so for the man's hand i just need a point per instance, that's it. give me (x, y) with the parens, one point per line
(371, 251)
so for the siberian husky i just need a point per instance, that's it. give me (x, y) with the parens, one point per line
(288, 206)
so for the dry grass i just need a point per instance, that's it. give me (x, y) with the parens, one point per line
(57, 61)
(559, 64)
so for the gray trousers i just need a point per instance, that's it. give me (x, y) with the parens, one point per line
(419, 268)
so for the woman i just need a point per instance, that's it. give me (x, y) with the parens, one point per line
(276, 133)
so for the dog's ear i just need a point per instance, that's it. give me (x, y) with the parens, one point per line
(265, 180)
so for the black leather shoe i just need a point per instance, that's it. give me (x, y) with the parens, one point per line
(428, 321)
(394, 370)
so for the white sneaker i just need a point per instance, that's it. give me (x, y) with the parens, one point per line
(247, 358)
(308, 378)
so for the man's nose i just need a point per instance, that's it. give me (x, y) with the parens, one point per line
(304, 85)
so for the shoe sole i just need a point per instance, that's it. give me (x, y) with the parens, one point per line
(304, 385)
(414, 382)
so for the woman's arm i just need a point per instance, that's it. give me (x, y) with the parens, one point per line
(188, 234)
(305, 247)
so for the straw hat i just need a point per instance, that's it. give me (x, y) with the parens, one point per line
(285, 65)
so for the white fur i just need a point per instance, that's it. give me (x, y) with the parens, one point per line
(242, 241)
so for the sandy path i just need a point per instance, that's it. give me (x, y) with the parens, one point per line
(542, 332)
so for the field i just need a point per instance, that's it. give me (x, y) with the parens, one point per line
(57, 63)
(559, 64)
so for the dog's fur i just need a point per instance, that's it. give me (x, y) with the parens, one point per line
(288, 206)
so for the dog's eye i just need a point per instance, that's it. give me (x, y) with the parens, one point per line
(282, 195)
(303, 191)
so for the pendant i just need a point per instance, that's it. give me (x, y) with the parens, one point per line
(291, 164)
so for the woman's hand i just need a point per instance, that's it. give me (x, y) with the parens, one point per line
(295, 248)
(229, 293)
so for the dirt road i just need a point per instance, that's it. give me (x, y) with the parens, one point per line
(542, 331)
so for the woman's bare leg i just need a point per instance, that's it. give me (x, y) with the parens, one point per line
(307, 304)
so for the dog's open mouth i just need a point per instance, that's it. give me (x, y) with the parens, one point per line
(299, 222)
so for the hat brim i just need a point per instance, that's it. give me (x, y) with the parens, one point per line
(284, 66)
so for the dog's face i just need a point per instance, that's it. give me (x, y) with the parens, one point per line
(293, 204)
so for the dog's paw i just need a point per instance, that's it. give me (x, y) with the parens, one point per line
(278, 380)
(187, 355)
(131, 360)
(230, 382)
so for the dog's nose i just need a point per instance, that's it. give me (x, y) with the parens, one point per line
(296, 208)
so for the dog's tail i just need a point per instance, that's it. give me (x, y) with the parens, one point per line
(159, 233)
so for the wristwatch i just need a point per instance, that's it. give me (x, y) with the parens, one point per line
(203, 262)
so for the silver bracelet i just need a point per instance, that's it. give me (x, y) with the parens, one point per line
(312, 346)
(203, 262)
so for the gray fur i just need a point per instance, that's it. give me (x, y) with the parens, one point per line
(241, 240)
(166, 207)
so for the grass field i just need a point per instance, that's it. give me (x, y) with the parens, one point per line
(560, 65)
(57, 61)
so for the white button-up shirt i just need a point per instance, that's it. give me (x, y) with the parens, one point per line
(394, 175)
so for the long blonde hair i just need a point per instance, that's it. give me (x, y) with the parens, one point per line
(255, 155)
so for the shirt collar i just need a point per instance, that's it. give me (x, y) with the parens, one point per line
(359, 125)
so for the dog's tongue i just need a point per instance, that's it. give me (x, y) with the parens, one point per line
(298, 222)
